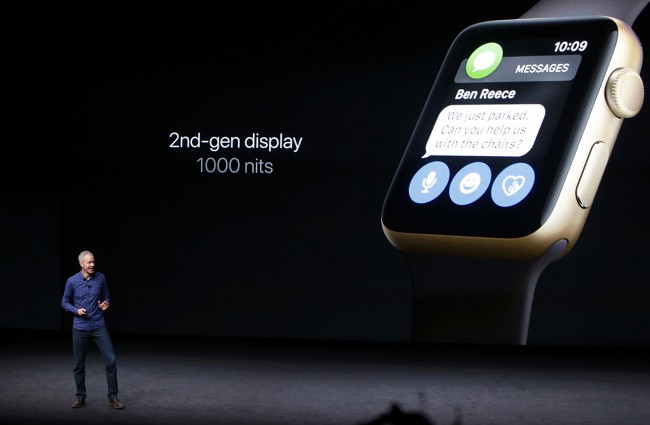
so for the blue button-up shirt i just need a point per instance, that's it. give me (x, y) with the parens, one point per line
(79, 293)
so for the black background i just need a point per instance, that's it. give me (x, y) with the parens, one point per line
(89, 101)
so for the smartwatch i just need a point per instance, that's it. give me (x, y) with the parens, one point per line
(505, 160)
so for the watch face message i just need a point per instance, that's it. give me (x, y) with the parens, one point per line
(485, 130)
(480, 130)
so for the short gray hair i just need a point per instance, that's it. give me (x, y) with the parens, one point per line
(83, 254)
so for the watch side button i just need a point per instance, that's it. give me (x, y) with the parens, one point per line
(591, 174)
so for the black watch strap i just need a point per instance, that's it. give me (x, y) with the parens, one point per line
(625, 10)
(474, 300)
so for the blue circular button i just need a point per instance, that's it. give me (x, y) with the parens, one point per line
(470, 183)
(429, 182)
(513, 184)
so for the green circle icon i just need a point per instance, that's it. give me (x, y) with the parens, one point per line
(484, 60)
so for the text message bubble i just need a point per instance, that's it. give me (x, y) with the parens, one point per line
(485, 130)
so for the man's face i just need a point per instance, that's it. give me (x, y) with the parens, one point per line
(88, 265)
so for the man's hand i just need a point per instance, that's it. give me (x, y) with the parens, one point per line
(81, 312)
(103, 305)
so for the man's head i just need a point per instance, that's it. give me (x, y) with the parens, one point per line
(87, 263)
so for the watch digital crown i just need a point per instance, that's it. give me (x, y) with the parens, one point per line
(624, 92)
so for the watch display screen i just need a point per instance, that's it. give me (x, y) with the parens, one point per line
(494, 141)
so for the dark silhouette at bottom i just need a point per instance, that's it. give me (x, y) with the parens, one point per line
(396, 416)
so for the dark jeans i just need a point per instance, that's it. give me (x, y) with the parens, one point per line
(100, 337)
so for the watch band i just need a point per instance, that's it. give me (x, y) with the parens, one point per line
(487, 301)
(474, 300)
(625, 10)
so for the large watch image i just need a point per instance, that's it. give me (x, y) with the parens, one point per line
(503, 166)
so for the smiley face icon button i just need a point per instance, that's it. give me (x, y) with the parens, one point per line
(470, 183)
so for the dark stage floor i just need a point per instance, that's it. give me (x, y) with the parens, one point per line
(170, 380)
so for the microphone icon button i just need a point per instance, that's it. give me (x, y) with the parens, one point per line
(429, 182)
